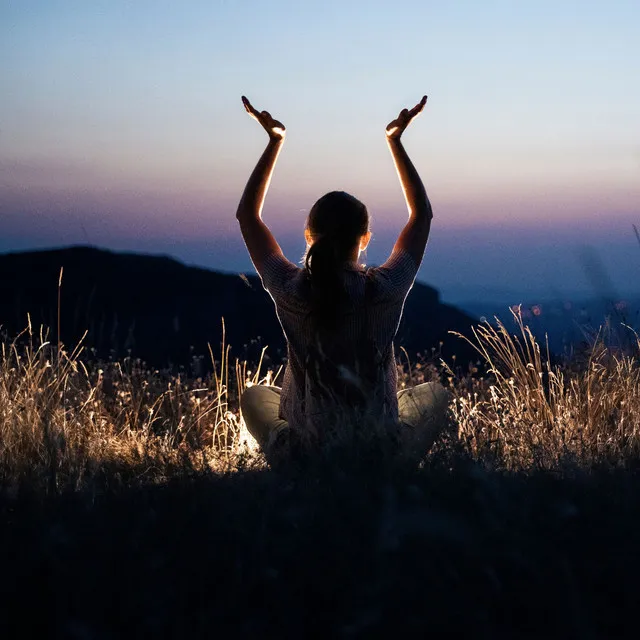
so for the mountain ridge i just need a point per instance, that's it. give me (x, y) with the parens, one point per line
(165, 312)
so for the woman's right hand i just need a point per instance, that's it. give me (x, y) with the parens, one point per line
(396, 127)
(274, 128)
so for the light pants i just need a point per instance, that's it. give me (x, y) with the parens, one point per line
(422, 411)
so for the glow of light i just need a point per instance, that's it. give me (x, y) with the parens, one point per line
(621, 305)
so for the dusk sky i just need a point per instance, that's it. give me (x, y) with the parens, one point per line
(121, 126)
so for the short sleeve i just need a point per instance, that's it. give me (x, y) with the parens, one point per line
(397, 275)
(279, 276)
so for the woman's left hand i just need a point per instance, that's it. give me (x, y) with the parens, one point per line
(274, 128)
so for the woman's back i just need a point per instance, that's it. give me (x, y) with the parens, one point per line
(355, 358)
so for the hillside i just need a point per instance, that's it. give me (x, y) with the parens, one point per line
(166, 312)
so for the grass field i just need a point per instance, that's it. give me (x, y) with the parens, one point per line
(69, 422)
(133, 501)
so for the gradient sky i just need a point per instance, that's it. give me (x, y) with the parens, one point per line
(121, 125)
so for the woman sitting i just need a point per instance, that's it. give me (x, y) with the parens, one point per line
(339, 318)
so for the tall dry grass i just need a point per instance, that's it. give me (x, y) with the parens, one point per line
(68, 420)
(529, 411)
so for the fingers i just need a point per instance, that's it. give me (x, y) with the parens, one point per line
(418, 108)
(396, 127)
(263, 117)
(251, 110)
(408, 115)
(249, 107)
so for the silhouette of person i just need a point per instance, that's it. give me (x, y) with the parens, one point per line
(339, 318)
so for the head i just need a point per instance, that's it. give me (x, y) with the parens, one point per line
(341, 221)
(337, 231)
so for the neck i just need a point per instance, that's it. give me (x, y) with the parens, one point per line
(353, 262)
(354, 256)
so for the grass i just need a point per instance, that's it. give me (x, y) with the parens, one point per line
(532, 412)
(67, 420)
(134, 502)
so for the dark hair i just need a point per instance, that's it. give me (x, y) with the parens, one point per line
(336, 222)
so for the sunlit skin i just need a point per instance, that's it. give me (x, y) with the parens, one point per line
(260, 241)
(415, 234)
(274, 128)
(396, 127)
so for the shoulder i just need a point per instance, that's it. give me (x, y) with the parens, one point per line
(282, 277)
(396, 276)
(276, 266)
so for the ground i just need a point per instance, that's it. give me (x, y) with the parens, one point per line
(347, 552)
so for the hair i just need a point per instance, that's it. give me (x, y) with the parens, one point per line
(336, 223)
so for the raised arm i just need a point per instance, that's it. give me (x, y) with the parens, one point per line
(413, 238)
(257, 236)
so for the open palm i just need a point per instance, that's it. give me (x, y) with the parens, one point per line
(274, 128)
(396, 127)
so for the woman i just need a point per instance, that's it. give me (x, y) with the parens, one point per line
(339, 319)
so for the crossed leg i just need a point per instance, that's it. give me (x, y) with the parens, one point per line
(422, 411)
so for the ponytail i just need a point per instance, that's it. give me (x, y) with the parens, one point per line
(323, 264)
(336, 221)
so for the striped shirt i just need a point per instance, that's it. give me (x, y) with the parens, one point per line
(378, 316)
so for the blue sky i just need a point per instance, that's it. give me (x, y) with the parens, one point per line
(121, 124)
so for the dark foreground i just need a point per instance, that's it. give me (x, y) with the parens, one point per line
(443, 551)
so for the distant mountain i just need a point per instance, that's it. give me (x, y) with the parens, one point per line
(567, 324)
(165, 312)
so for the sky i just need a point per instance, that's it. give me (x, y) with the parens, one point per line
(121, 126)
